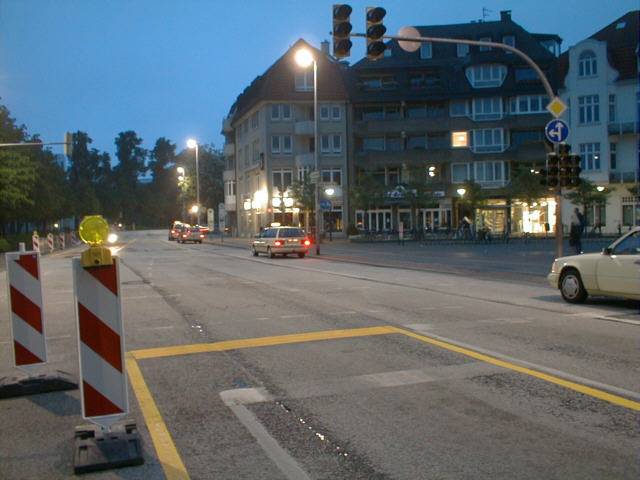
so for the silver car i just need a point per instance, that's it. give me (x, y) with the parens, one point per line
(613, 272)
(281, 241)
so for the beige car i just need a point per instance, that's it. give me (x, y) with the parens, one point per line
(281, 241)
(614, 272)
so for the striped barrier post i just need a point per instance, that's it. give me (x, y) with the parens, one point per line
(25, 305)
(35, 241)
(100, 342)
(50, 242)
(61, 241)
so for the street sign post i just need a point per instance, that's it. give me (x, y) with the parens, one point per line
(325, 204)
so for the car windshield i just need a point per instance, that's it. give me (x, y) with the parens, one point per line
(291, 232)
(629, 246)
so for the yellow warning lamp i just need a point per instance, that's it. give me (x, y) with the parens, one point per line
(94, 231)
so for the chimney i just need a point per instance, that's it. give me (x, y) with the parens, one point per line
(505, 15)
(324, 46)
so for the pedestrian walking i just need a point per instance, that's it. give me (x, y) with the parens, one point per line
(575, 231)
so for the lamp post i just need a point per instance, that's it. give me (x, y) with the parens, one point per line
(304, 58)
(181, 185)
(191, 143)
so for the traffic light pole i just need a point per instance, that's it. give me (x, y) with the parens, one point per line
(558, 198)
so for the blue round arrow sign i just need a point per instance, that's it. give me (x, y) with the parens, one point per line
(557, 131)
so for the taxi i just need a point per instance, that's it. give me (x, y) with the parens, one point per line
(279, 240)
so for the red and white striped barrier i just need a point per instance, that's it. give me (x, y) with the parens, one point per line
(35, 241)
(25, 305)
(61, 241)
(50, 242)
(100, 342)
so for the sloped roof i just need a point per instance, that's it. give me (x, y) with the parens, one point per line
(277, 83)
(621, 36)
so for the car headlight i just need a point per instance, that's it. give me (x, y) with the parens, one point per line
(554, 267)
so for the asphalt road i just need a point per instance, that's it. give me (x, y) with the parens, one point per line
(376, 362)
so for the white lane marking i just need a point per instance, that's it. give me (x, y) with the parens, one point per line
(236, 401)
(298, 315)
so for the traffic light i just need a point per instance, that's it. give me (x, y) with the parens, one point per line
(341, 30)
(553, 169)
(563, 169)
(375, 31)
(564, 149)
(574, 169)
(68, 144)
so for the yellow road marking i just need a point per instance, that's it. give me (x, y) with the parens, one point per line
(168, 455)
(259, 342)
(593, 392)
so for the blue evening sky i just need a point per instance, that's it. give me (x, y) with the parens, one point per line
(173, 68)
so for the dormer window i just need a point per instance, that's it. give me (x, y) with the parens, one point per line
(509, 40)
(484, 48)
(462, 49)
(426, 50)
(587, 64)
(486, 76)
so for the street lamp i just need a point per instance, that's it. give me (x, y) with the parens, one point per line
(304, 58)
(181, 186)
(461, 192)
(191, 143)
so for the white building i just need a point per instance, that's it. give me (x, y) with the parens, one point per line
(600, 86)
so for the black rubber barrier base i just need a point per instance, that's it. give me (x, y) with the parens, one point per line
(18, 387)
(97, 450)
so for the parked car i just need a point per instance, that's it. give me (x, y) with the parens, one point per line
(176, 229)
(191, 234)
(613, 272)
(281, 241)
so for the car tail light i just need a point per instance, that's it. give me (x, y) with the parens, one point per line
(277, 243)
(306, 242)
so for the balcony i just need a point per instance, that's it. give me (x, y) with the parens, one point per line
(624, 177)
(230, 203)
(305, 160)
(622, 128)
(228, 175)
(226, 126)
(229, 149)
(305, 127)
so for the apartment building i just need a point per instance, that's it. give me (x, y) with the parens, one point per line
(600, 85)
(457, 112)
(269, 134)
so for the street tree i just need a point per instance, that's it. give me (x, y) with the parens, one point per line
(367, 194)
(587, 194)
(131, 165)
(304, 195)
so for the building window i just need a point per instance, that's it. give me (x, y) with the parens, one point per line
(336, 112)
(416, 142)
(303, 173)
(588, 109)
(462, 49)
(485, 48)
(230, 188)
(613, 156)
(324, 112)
(331, 144)
(459, 108)
(426, 50)
(489, 172)
(416, 110)
(587, 64)
(459, 139)
(382, 82)
(487, 108)
(460, 172)
(612, 108)
(304, 80)
(526, 75)
(280, 111)
(373, 144)
(282, 179)
(437, 141)
(509, 40)
(255, 152)
(281, 144)
(393, 143)
(488, 140)
(590, 153)
(254, 121)
(332, 176)
(527, 104)
(486, 76)
(630, 211)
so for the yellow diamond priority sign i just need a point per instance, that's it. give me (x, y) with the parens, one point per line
(557, 107)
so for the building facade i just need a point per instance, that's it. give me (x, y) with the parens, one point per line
(453, 113)
(270, 144)
(600, 85)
